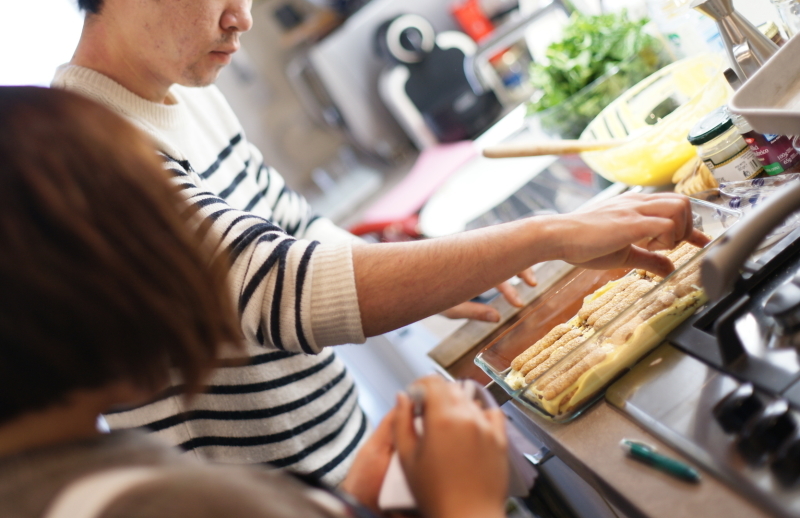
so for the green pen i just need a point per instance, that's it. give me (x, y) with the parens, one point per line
(648, 455)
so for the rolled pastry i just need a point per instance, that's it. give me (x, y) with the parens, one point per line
(619, 304)
(554, 358)
(589, 308)
(542, 356)
(542, 344)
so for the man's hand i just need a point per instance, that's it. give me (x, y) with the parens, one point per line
(625, 231)
(485, 312)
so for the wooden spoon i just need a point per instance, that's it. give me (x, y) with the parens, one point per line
(548, 147)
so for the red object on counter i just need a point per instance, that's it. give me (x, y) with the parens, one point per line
(390, 231)
(395, 213)
(472, 19)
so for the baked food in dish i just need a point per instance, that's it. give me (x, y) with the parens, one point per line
(576, 359)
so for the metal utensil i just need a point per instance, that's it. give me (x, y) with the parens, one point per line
(748, 49)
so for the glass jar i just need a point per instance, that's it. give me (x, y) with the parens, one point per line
(719, 144)
(789, 10)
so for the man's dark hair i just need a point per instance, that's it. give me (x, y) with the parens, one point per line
(90, 6)
(101, 277)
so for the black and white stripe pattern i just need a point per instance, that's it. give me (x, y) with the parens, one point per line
(284, 406)
(289, 408)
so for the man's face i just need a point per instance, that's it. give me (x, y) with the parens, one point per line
(181, 41)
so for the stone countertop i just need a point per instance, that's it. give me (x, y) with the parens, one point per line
(590, 446)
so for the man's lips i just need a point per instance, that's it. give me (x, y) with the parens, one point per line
(226, 50)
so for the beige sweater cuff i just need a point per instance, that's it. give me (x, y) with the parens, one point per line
(335, 316)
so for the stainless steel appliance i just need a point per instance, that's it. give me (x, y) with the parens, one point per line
(725, 386)
(426, 86)
(746, 46)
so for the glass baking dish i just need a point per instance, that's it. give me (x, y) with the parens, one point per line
(572, 383)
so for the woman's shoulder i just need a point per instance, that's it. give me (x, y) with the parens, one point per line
(213, 491)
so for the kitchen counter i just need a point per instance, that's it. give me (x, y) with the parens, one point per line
(589, 445)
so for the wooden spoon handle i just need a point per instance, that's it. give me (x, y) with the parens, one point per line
(548, 147)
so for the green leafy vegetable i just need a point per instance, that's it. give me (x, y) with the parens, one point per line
(609, 50)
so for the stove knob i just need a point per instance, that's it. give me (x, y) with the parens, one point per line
(767, 431)
(784, 306)
(786, 465)
(737, 408)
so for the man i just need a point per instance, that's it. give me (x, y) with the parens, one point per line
(146, 59)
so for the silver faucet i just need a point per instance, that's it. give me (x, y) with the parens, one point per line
(748, 49)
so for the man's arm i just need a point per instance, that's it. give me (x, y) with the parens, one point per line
(399, 283)
(292, 212)
(300, 296)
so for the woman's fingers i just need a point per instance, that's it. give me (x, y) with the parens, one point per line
(405, 437)
(497, 421)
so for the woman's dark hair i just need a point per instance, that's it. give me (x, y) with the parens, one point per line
(101, 277)
(90, 6)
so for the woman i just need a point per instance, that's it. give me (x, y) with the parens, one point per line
(107, 294)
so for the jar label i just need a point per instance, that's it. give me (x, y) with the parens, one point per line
(775, 152)
(741, 166)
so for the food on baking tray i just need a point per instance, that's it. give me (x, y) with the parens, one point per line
(571, 363)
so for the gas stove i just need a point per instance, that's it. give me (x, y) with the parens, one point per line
(725, 386)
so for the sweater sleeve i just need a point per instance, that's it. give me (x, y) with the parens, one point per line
(290, 210)
(292, 295)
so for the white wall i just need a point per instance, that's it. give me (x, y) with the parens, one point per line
(36, 37)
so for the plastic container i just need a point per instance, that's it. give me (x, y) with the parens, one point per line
(559, 304)
(656, 145)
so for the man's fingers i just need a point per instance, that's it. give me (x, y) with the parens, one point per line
(510, 294)
(674, 210)
(662, 233)
(473, 311)
(650, 261)
(528, 276)
(697, 238)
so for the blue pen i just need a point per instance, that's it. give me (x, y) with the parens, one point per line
(648, 455)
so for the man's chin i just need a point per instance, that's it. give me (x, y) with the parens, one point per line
(205, 78)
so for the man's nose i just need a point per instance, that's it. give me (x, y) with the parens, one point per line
(237, 16)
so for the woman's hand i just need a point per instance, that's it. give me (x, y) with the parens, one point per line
(365, 477)
(458, 466)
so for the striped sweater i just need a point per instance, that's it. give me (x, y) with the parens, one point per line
(293, 404)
